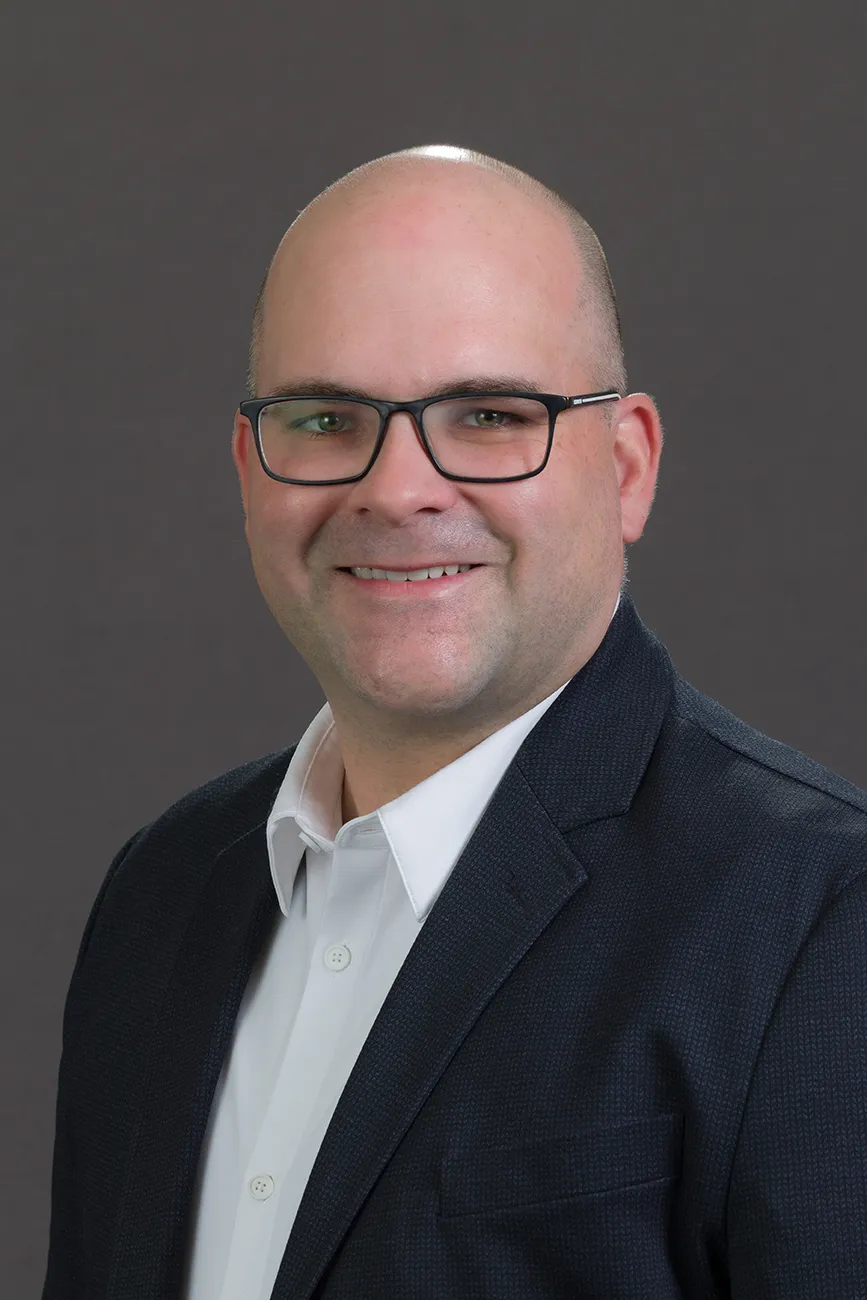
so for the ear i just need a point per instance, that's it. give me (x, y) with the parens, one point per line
(243, 454)
(636, 449)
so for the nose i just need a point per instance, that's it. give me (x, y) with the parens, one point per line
(403, 479)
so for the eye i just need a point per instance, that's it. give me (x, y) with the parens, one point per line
(322, 422)
(487, 418)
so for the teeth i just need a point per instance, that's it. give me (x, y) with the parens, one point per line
(414, 575)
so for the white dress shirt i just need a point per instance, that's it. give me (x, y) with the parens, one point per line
(353, 897)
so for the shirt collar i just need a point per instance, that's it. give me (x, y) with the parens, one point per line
(426, 828)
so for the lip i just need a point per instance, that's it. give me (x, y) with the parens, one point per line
(409, 590)
(405, 567)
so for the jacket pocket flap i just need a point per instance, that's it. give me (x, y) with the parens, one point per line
(578, 1163)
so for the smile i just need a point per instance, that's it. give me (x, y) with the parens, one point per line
(403, 585)
(410, 575)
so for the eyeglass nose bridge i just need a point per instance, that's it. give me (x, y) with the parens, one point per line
(414, 411)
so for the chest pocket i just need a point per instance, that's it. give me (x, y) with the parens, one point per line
(583, 1162)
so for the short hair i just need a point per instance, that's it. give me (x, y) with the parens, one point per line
(598, 301)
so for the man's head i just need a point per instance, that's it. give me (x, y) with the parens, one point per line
(595, 302)
(426, 268)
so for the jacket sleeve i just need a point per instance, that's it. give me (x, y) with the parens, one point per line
(66, 1272)
(797, 1212)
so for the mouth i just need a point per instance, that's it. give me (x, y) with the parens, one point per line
(423, 582)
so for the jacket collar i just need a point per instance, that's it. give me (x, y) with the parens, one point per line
(588, 754)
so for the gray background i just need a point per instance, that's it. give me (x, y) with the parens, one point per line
(152, 158)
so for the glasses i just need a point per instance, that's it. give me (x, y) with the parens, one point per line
(469, 437)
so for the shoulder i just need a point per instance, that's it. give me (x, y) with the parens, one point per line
(762, 787)
(169, 858)
(214, 815)
(185, 839)
(761, 752)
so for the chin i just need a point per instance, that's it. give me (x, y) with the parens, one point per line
(414, 695)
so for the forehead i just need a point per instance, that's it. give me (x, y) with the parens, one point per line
(416, 279)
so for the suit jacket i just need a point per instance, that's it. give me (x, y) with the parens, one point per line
(625, 1057)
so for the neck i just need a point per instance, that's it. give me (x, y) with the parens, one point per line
(374, 776)
(381, 762)
(385, 754)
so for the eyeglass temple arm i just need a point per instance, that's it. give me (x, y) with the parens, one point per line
(608, 396)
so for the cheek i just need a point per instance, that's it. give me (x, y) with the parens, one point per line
(275, 529)
(573, 519)
(588, 476)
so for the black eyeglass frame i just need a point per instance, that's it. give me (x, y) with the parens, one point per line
(251, 410)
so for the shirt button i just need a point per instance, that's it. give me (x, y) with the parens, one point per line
(337, 957)
(261, 1187)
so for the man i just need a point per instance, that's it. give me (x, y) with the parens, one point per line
(530, 971)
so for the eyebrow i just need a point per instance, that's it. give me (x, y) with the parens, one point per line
(475, 385)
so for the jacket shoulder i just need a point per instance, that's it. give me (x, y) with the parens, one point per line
(200, 825)
(762, 752)
(190, 834)
(226, 807)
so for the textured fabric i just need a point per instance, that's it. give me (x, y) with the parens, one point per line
(367, 885)
(625, 1058)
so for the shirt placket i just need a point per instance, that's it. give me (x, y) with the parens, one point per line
(347, 903)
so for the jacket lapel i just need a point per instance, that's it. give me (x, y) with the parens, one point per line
(228, 926)
(583, 761)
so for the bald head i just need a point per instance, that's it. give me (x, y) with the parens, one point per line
(475, 178)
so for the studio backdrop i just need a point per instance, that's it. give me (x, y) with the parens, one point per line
(153, 156)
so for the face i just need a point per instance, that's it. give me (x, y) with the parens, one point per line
(434, 279)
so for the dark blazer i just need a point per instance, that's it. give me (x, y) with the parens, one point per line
(625, 1057)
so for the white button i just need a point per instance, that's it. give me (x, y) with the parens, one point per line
(337, 957)
(261, 1186)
